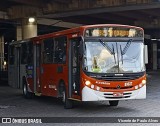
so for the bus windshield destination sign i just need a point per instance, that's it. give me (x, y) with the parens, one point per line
(113, 32)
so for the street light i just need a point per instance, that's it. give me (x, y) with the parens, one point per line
(31, 20)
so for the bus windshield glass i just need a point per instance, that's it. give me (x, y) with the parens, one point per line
(102, 56)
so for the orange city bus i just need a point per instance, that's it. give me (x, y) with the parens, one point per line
(88, 63)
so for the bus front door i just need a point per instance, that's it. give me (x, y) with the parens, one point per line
(74, 68)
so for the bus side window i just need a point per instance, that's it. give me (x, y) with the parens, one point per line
(48, 45)
(60, 50)
(30, 53)
(24, 53)
(27, 53)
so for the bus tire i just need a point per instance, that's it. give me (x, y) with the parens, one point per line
(26, 93)
(113, 103)
(68, 104)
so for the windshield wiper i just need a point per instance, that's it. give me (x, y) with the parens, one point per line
(111, 51)
(121, 53)
(125, 48)
(114, 53)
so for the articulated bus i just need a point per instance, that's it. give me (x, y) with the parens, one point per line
(87, 63)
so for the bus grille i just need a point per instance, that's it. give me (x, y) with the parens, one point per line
(116, 78)
(116, 87)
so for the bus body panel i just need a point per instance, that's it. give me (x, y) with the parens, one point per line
(12, 76)
(89, 94)
(111, 90)
(14, 69)
(51, 78)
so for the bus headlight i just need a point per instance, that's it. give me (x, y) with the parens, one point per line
(87, 83)
(140, 85)
(92, 86)
(143, 81)
(98, 88)
(136, 87)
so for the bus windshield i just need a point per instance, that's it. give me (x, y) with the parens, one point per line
(113, 57)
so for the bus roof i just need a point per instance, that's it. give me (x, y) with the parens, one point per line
(79, 29)
(113, 25)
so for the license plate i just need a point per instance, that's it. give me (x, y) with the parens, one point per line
(117, 94)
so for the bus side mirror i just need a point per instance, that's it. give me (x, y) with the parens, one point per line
(146, 54)
(80, 38)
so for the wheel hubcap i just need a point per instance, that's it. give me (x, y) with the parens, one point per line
(24, 90)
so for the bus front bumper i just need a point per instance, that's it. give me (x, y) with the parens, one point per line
(89, 94)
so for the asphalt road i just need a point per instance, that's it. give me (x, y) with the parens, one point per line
(12, 104)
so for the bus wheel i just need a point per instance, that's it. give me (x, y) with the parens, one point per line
(26, 94)
(68, 104)
(113, 103)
